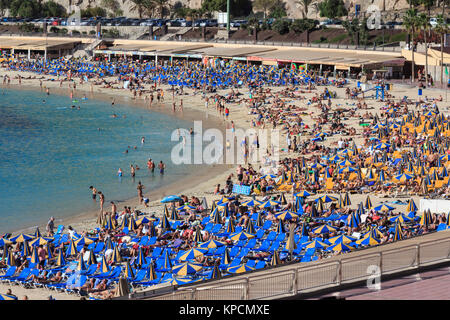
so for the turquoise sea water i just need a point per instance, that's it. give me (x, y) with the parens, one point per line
(51, 153)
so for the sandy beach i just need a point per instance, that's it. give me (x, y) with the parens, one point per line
(201, 183)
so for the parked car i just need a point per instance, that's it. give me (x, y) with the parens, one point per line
(186, 23)
(176, 22)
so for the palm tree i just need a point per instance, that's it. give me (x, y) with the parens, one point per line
(162, 6)
(264, 5)
(138, 5)
(441, 29)
(410, 22)
(424, 24)
(305, 5)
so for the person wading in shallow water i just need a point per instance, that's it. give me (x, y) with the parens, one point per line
(102, 202)
(140, 188)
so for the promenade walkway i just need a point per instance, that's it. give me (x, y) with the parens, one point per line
(301, 278)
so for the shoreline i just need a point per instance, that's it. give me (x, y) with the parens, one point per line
(196, 174)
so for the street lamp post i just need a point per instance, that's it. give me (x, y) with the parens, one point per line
(228, 17)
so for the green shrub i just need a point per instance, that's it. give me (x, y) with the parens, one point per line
(281, 26)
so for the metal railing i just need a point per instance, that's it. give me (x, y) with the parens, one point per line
(309, 278)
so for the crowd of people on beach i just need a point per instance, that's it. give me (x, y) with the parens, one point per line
(297, 211)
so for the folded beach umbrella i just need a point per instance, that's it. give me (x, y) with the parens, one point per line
(211, 244)
(60, 260)
(104, 267)
(347, 201)
(275, 259)
(21, 238)
(37, 233)
(320, 207)
(340, 203)
(259, 220)
(341, 239)
(314, 212)
(71, 249)
(109, 223)
(383, 207)
(315, 244)
(250, 227)
(340, 247)
(290, 242)
(10, 261)
(25, 249)
(192, 254)
(165, 224)
(242, 235)
(226, 257)
(398, 233)
(282, 198)
(151, 273)
(411, 206)
(381, 176)
(140, 260)
(215, 273)
(251, 203)
(128, 273)
(280, 227)
(166, 211)
(368, 203)
(124, 222)
(230, 226)
(353, 222)
(186, 268)
(167, 262)
(198, 235)
(268, 204)
(109, 244)
(216, 216)
(81, 265)
(116, 257)
(34, 256)
(324, 229)
(426, 218)
(92, 259)
(242, 268)
(174, 215)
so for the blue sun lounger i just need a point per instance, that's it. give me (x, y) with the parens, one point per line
(22, 276)
(9, 273)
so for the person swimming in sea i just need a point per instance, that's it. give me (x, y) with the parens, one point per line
(119, 172)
